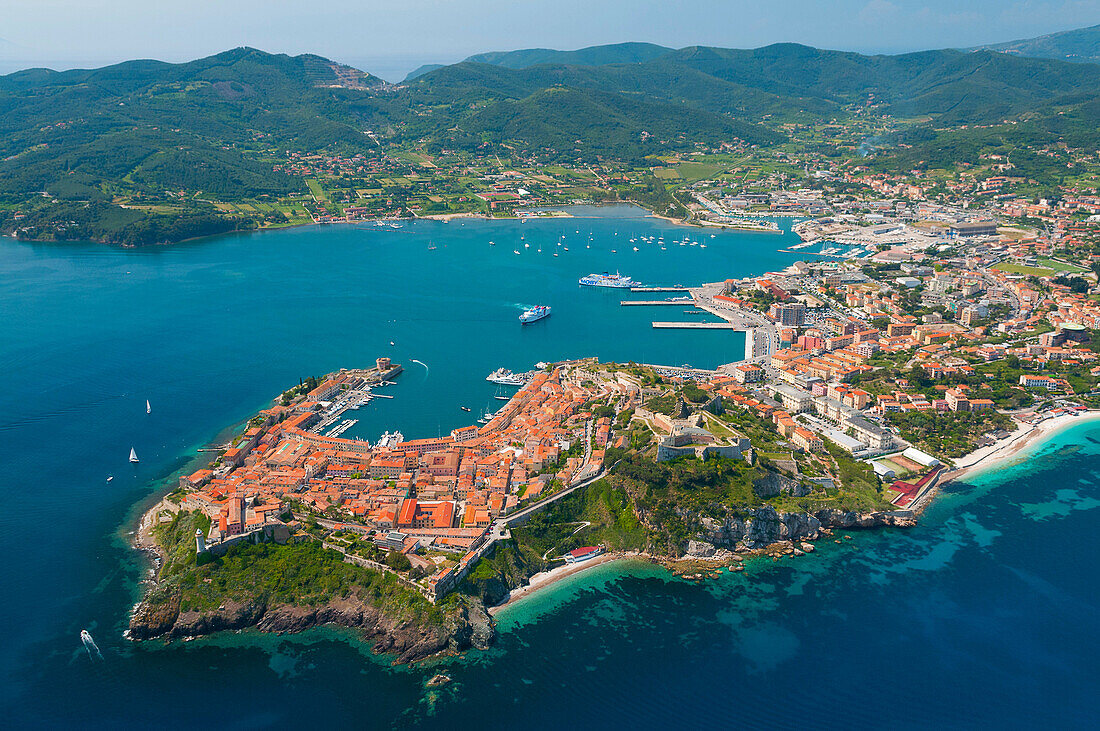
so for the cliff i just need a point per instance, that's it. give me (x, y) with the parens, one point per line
(290, 588)
(764, 526)
(464, 626)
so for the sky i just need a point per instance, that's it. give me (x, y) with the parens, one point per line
(391, 37)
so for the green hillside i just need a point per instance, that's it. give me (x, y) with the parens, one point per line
(591, 56)
(235, 136)
(1081, 45)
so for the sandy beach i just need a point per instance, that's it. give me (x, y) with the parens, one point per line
(546, 578)
(988, 457)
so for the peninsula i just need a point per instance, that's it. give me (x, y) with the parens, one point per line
(864, 385)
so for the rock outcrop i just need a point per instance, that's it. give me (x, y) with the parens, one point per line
(832, 518)
(700, 549)
(772, 484)
(466, 626)
(763, 526)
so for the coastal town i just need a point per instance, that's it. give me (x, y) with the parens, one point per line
(435, 501)
(869, 378)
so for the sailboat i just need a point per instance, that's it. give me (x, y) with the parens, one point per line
(148, 408)
(133, 456)
(431, 246)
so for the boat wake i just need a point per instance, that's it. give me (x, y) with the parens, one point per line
(90, 645)
(426, 369)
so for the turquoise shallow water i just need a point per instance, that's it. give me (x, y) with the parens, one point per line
(980, 616)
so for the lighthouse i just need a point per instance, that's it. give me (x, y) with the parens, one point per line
(200, 542)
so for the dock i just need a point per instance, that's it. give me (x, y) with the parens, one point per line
(659, 289)
(639, 303)
(696, 326)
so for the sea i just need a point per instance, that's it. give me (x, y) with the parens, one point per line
(981, 616)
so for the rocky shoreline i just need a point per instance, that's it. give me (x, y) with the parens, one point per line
(409, 641)
(159, 616)
(764, 527)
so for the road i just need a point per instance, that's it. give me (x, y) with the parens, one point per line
(765, 332)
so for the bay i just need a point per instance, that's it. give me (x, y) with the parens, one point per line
(978, 616)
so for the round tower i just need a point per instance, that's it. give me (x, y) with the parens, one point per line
(200, 542)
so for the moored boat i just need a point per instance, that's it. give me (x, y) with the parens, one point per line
(616, 281)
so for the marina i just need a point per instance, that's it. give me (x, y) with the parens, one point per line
(342, 427)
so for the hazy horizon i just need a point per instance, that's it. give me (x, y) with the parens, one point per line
(389, 39)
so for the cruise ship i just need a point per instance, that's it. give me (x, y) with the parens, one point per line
(506, 377)
(616, 280)
(534, 314)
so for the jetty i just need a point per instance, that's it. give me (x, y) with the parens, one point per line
(696, 326)
(646, 303)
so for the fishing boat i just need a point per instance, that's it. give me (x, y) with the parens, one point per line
(133, 456)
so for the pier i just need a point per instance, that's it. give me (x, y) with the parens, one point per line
(659, 289)
(696, 326)
(640, 303)
(350, 401)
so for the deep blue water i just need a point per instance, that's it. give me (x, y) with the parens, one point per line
(981, 616)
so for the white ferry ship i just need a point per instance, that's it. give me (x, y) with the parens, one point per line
(616, 281)
(534, 314)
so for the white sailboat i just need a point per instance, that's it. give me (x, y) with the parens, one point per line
(133, 456)
(148, 408)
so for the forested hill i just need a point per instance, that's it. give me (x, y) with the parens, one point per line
(1081, 45)
(171, 126)
(222, 128)
(591, 56)
(787, 79)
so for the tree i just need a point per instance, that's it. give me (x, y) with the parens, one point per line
(398, 561)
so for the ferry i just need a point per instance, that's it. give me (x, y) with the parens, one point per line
(616, 281)
(535, 314)
(506, 377)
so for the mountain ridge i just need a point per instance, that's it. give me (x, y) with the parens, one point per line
(1077, 45)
